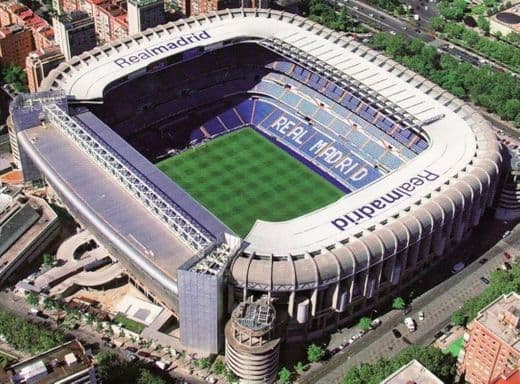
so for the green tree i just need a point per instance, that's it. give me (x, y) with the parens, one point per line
(483, 23)
(218, 367)
(438, 23)
(398, 303)
(48, 303)
(365, 323)
(113, 370)
(16, 77)
(48, 259)
(32, 299)
(299, 367)
(458, 317)
(315, 353)
(284, 376)
(204, 363)
(147, 377)
(440, 364)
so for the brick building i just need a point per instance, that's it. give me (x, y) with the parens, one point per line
(12, 12)
(15, 44)
(492, 342)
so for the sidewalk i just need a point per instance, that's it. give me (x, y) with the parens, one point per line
(438, 304)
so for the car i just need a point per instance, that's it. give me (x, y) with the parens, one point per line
(506, 234)
(507, 255)
(484, 280)
(421, 316)
(410, 324)
(131, 357)
(131, 349)
(458, 267)
(375, 323)
(483, 261)
(351, 340)
(143, 354)
(109, 344)
(447, 328)
(438, 334)
(396, 333)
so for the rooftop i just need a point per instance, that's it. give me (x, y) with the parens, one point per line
(509, 378)
(412, 373)
(51, 366)
(502, 318)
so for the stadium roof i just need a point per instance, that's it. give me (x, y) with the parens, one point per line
(456, 133)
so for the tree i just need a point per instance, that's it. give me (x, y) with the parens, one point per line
(300, 367)
(440, 364)
(438, 23)
(147, 377)
(365, 323)
(48, 303)
(32, 299)
(48, 260)
(218, 367)
(284, 376)
(203, 363)
(458, 318)
(484, 24)
(315, 353)
(398, 303)
(16, 77)
(113, 370)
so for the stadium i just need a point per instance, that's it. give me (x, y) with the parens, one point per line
(253, 166)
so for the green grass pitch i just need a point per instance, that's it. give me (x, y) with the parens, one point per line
(241, 177)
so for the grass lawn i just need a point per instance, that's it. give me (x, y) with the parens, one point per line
(455, 347)
(129, 324)
(241, 177)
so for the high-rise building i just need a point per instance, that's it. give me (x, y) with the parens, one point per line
(412, 373)
(39, 63)
(75, 33)
(492, 343)
(15, 44)
(143, 14)
(197, 7)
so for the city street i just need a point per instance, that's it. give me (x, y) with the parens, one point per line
(437, 304)
(19, 306)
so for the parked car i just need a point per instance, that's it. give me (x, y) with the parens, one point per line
(131, 357)
(421, 316)
(131, 349)
(483, 261)
(438, 334)
(458, 267)
(410, 324)
(506, 234)
(375, 323)
(396, 333)
(484, 280)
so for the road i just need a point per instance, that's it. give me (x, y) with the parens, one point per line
(437, 304)
(18, 306)
(382, 21)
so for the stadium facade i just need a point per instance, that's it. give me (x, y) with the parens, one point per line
(418, 167)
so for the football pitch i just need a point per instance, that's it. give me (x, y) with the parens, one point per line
(241, 177)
